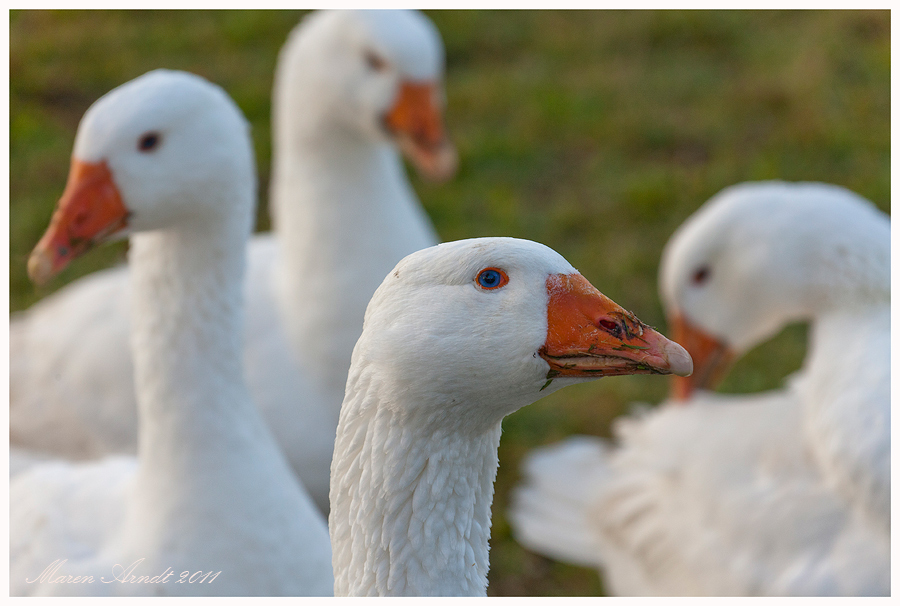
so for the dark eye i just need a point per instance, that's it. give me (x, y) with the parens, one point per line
(492, 278)
(701, 275)
(149, 142)
(375, 62)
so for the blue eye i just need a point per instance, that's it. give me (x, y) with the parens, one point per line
(492, 278)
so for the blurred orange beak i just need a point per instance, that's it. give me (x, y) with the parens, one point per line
(713, 359)
(589, 335)
(415, 121)
(89, 211)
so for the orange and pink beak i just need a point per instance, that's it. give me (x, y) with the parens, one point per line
(89, 211)
(589, 335)
(712, 357)
(416, 122)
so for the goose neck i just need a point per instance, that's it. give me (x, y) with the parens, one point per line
(344, 214)
(846, 398)
(333, 175)
(414, 494)
(186, 334)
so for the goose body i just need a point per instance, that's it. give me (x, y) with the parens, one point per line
(350, 87)
(167, 159)
(785, 492)
(455, 338)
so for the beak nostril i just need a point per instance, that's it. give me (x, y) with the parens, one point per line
(609, 326)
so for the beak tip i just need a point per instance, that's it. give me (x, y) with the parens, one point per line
(680, 362)
(40, 266)
(442, 164)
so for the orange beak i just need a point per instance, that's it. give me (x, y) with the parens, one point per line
(713, 358)
(589, 335)
(415, 121)
(89, 211)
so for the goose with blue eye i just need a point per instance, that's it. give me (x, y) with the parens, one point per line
(457, 337)
(210, 492)
(784, 492)
(351, 87)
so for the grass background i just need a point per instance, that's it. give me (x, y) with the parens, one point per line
(596, 133)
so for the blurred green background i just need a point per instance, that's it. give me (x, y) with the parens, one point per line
(596, 133)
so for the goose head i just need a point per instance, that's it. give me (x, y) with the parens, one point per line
(163, 149)
(759, 255)
(500, 322)
(456, 337)
(376, 73)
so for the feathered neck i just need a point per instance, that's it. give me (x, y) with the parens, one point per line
(186, 331)
(846, 396)
(410, 496)
(345, 214)
(201, 441)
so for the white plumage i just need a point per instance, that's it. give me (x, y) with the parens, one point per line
(344, 214)
(210, 491)
(781, 493)
(440, 362)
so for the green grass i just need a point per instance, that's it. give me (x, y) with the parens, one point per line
(596, 133)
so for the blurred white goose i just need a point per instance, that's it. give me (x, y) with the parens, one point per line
(455, 338)
(781, 493)
(350, 86)
(168, 159)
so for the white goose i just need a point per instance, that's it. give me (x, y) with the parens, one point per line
(781, 493)
(168, 159)
(455, 338)
(350, 86)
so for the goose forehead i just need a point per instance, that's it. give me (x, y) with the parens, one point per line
(767, 211)
(408, 39)
(457, 262)
(770, 207)
(156, 100)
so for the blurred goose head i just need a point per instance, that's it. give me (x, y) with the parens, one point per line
(373, 73)
(167, 148)
(757, 256)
